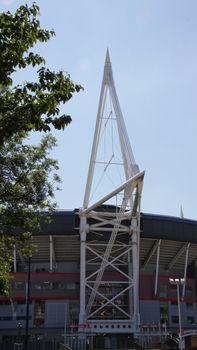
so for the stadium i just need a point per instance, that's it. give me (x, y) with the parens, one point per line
(106, 276)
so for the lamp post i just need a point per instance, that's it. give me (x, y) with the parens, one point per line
(26, 339)
(178, 282)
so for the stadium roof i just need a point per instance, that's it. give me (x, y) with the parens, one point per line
(176, 237)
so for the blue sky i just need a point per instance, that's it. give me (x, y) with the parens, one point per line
(153, 50)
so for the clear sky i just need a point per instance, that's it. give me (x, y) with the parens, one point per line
(153, 50)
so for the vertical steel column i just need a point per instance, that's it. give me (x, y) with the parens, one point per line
(181, 339)
(157, 267)
(82, 314)
(135, 256)
(178, 282)
(185, 270)
(130, 273)
(179, 308)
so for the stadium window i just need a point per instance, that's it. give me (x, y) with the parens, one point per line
(175, 319)
(5, 318)
(55, 285)
(23, 302)
(5, 302)
(20, 285)
(39, 307)
(190, 319)
(189, 306)
(188, 289)
(22, 318)
(47, 285)
(71, 286)
(173, 288)
(36, 286)
(163, 312)
(163, 290)
(174, 303)
(39, 311)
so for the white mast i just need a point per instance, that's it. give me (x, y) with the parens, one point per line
(110, 233)
(130, 166)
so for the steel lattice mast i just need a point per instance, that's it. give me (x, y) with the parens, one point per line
(130, 166)
(110, 228)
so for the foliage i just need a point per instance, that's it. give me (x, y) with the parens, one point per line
(32, 105)
(24, 185)
(27, 179)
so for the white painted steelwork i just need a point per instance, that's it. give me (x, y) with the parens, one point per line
(110, 233)
(185, 270)
(179, 282)
(157, 266)
(128, 161)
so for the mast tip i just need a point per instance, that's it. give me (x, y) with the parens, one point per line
(107, 58)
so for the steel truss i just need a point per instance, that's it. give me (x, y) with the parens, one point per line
(110, 236)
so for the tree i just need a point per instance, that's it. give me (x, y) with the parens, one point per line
(26, 185)
(28, 181)
(27, 178)
(32, 105)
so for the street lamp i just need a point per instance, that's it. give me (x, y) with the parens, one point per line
(26, 339)
(178, 282)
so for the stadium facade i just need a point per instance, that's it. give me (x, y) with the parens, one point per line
(101, 277)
